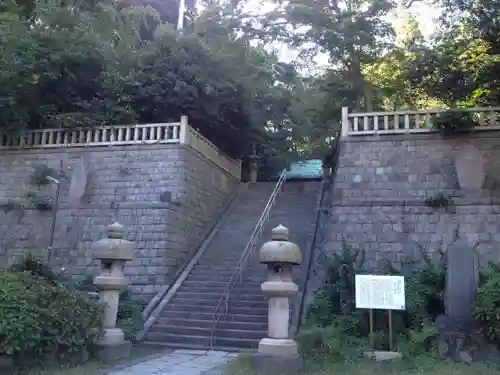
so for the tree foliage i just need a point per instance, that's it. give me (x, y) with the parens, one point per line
(68, 65)
(88, 62)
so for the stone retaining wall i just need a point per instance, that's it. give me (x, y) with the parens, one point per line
(166, 197)
(381, 186)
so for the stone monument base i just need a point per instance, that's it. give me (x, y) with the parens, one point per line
(277, 356)
(284, 347)
(380, 355)
(6, 362)
(460, 341)
(267, 364)
(112, 346)
(113, 352)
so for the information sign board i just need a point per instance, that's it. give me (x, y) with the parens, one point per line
(380, 292)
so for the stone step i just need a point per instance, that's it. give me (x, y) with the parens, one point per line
(179, 307)
(225, 278)
(232, 349)
(232, 230)
(223, 261)
(228, 271)
(229, 268)
(262, 273)
(187, 320)
(202, 297)
(220, 285)
(230, 252)
(237, 289)
(213, 302)
(222, 324)
(202, 341)
(251, 317)
(207, 332)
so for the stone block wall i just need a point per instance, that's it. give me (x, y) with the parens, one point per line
(166, 197)
(381, 186)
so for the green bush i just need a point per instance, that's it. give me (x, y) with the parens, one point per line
(326, 342)
(129, 310)
(487, 307)
(333, 309)
(425, 283)
(334, 303)
(421, 339)
(39, 317)
(130, 316)
(452, 121)
(34, 266)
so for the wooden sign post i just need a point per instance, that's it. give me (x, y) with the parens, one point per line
(382, 293)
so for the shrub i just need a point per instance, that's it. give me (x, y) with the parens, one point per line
(333, 317)
(34, 266)
(39, 317)
(326, 342)
(129, 310)
(420, 339)
(487, 307)
(425, 283)
(334, 303)
(130, 316)
(452, 121)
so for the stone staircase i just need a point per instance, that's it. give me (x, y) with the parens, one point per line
(186, 321)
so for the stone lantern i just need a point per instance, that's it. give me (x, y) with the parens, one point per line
(254, 167)
(112, 252)
(278, 352)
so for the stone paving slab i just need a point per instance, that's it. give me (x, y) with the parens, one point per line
(181, 362)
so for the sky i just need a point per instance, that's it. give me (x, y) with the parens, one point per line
(426, 16)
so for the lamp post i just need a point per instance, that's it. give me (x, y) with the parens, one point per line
(180, 17)
(56, 206)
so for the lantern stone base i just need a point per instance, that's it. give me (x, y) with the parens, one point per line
(277, 364)
(6, 362)
(379, 355)
(282, 347)
(112, 346)
(277, 356)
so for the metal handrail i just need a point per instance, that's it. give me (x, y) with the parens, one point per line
(223, 304)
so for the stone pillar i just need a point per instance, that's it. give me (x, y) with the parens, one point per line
(112, 252)
(278, 352)
(326, 171)
(254, 167)
(327, 166)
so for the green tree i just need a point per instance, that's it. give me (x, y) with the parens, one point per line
(70, 65)
(352, 33)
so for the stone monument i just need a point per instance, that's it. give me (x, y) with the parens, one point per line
(278, 352)
(79, 179)
(457, 327)
(469, 166)
(112, 252)
(254, 167)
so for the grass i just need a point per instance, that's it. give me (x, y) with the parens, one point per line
(93, 367)
(421, 366)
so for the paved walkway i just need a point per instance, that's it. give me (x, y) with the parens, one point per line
(181, 362)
